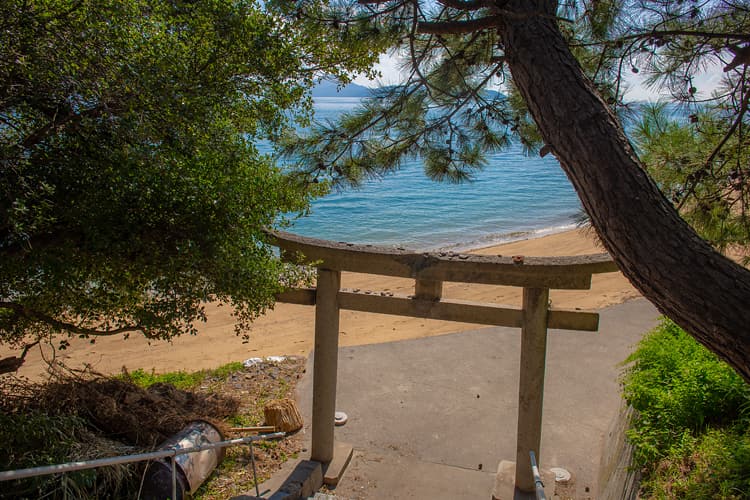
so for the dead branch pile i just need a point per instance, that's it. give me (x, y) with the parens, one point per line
(118, 408)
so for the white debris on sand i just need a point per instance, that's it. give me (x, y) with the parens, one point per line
(268, 359)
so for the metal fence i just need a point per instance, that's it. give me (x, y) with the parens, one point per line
(142, 457)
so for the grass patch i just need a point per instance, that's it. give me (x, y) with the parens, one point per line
(181, 379)
(37, 438)
(692, 434)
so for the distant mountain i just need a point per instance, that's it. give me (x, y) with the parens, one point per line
(493, 94)
(328, 88)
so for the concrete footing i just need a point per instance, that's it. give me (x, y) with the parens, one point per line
(342, 455)
(297, 479)
(505, 483)
(301, 479)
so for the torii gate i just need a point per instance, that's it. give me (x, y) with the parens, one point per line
(537, 275)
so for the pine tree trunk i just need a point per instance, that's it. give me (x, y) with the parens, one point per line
(702, 291)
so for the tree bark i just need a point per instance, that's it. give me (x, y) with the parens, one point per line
(683, 276)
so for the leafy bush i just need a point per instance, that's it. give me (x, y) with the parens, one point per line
(32, 440)
(36, 439)
(691, 433)
(715, 464)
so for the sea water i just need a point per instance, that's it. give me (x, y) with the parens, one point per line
(514, 197)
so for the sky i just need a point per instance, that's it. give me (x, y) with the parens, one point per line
(388, 66)
(705, 82)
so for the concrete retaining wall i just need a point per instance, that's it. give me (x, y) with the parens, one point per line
(618, 480)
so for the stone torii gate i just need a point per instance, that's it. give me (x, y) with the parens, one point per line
(537, 275)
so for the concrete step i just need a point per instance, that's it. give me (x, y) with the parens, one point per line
(383, 475)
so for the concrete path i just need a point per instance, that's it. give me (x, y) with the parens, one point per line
(432, 418)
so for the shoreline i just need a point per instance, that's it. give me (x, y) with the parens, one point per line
(479, 243)
(508, 238)
(288, 328)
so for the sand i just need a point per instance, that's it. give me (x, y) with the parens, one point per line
(288, 329)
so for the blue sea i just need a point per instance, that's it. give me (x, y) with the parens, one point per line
(514, 197)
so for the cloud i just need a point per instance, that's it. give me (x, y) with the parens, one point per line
(389, 66)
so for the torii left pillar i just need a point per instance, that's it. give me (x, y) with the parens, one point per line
(325, 368)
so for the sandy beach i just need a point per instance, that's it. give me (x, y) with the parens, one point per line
(288, 329)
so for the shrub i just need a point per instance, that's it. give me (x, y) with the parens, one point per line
(679, 388)
(691, 433)
(715, 464)
(36, 438)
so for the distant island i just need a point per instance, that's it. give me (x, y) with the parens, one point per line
(330, 88)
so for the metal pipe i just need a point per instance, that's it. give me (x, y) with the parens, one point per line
(255, 473)
(538, 483)
(174, 478)
(126, 459)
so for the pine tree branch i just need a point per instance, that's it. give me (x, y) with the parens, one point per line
(700, 173)
(466, 5)
(735, 124)
(741, 57)
(655, 34)
(671, 33)
(416, 62)
(458, 27)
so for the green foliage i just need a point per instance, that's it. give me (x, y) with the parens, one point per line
(712, 195)
(181, 379)
(33, 440)
(692, 430)
(679, 387)
(694, 143)
(712, 465)
(325, 43)
(451, 129)
(131, 191)
(36, 439)
(224, 371)
(442, 113)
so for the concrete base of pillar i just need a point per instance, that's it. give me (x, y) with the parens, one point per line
(342, 455)
(505, 483)
(296, 480)
(301, 478)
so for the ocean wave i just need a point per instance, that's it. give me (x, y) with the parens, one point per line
(490, 240)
